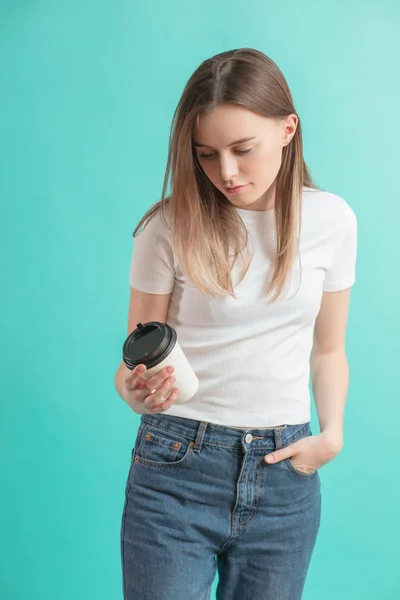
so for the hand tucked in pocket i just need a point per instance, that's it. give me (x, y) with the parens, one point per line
(308, 454)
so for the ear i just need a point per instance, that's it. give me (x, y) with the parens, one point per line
(289, 128)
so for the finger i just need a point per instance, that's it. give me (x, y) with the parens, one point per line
(134, 378)
(154, 399)
(278, 455)
(168, 403)
(274, 457)
(136, 372)
(153, 383)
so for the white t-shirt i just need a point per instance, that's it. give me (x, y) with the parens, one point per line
(252, 356)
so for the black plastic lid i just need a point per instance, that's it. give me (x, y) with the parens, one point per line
(149, 344)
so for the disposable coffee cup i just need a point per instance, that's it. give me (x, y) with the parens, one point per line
(156, 346)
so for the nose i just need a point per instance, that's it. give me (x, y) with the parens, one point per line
(228, 168)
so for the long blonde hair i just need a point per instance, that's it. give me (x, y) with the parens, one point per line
(204, 225)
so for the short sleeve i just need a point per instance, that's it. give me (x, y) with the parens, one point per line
(152, 263)
(341, 273)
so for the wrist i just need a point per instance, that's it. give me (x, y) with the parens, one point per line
(334, 438)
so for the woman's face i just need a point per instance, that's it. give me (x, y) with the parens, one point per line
(253, 162)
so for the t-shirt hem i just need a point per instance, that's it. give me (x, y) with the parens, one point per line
(150, 289)
(267, 420)
(337, 286)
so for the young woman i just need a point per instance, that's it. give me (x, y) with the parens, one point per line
(252, 265)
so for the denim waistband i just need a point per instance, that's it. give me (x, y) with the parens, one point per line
(200, 432)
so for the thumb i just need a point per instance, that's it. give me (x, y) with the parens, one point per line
(279, 455)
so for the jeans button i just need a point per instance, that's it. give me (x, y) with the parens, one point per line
(249, 438)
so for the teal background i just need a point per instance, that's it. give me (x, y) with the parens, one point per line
(87, 94)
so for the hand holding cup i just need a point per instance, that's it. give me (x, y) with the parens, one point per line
(148, 395)
(148, 352)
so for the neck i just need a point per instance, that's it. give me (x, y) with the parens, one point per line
(265, 202)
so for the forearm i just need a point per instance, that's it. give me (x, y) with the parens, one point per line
(119, 379)
(330, 380)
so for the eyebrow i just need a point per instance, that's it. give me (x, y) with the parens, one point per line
(231, 144)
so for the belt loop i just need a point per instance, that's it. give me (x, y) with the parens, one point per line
(278, 437)
(197, 445)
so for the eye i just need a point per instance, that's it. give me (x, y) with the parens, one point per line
(206, 155)
(244, 151)
(214, 153)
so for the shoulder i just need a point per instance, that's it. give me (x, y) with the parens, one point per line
(327, 210)
(156, 221)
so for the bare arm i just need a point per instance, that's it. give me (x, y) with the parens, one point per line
(328, 364)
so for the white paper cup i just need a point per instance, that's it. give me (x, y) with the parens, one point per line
(156, 346)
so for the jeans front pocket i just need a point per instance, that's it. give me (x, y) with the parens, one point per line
(161, 447)
(297, 472)
(302, 433)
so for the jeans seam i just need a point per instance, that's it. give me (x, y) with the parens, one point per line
(207, 444)
(252, 517)
(159, 465)
(122, 539)
(171, 429)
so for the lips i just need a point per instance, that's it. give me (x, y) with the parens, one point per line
(235, 188)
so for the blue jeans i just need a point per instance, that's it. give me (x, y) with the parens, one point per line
(200, 497)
